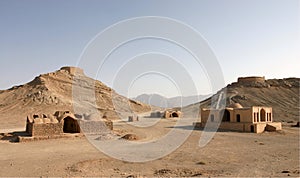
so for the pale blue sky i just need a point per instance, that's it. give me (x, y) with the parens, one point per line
(249, 37)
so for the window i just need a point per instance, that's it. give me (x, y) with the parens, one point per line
(238, 118)
(212, 118)
(262, 115)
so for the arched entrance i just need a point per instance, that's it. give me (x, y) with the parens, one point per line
(174, 114)
(226, 115)
(262, 115)
(71, 125)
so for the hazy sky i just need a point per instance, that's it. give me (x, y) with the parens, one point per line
(248, 37)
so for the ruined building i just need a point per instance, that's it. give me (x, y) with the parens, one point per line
(65, 122)
(172, 114)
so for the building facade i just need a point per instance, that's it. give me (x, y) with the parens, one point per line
(64, 122)
(235, 117)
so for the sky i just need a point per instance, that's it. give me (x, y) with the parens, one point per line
(247, 37)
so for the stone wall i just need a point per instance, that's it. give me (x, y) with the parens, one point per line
(48, 129)
(29, 128)
(73, 70)
(251, 79)
(96, 127)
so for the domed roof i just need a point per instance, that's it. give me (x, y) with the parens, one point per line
(235, 105)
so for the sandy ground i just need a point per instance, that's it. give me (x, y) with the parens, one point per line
(228, 154)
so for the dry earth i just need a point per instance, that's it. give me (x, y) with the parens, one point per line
(228, 154)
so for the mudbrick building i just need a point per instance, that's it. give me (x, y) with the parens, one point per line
(172, 113)
(63, 123)
(235, 117)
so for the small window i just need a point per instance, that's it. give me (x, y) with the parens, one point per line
(212, 118)
(238, 118)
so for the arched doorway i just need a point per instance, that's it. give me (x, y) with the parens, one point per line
(174, 114)
(71, 125)
(262, 115)
(226, 115)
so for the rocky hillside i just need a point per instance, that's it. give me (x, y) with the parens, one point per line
(281, 94)
(62, 90)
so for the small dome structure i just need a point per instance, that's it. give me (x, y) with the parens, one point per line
(235, 105)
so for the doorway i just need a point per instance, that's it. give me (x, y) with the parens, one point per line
(226, 115)
(252, 128)
(71, 125)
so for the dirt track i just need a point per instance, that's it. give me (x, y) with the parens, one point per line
(228, 154)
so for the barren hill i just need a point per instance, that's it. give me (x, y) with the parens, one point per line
(50, 92)
(281, 94)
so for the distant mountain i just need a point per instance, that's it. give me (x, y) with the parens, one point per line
(280, 94)
(161, 101)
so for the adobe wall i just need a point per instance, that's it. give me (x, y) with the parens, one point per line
(29, 128)
(232, 126)
(48, 129)
(245, 115)
(157, 114)
(274, 126)
(259, 127)
(95, 127)
(236, 126)
(73, 70)
(251, 79)
(168, 114)
(205, 115)
(256, 114)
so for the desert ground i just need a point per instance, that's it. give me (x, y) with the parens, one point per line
(227, 154)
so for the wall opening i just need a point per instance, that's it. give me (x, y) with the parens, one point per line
(71, 125)
(238, 118)
(262, 115)
(226, 115)
(252, 128)
(212, 118)
(174, 114)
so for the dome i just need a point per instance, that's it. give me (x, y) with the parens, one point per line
(235, 105)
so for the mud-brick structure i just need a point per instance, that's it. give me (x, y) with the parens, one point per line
(133, 118)
(235, 117)
(156, 114)
(65, 122)
(73, 70)
(172, 114)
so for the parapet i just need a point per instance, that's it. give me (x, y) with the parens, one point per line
(251, 79)
(73, 70)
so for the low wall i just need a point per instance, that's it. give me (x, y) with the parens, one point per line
(274, 126)
(236, 126)
(48, 129)
(250, 79)
(94, 127)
